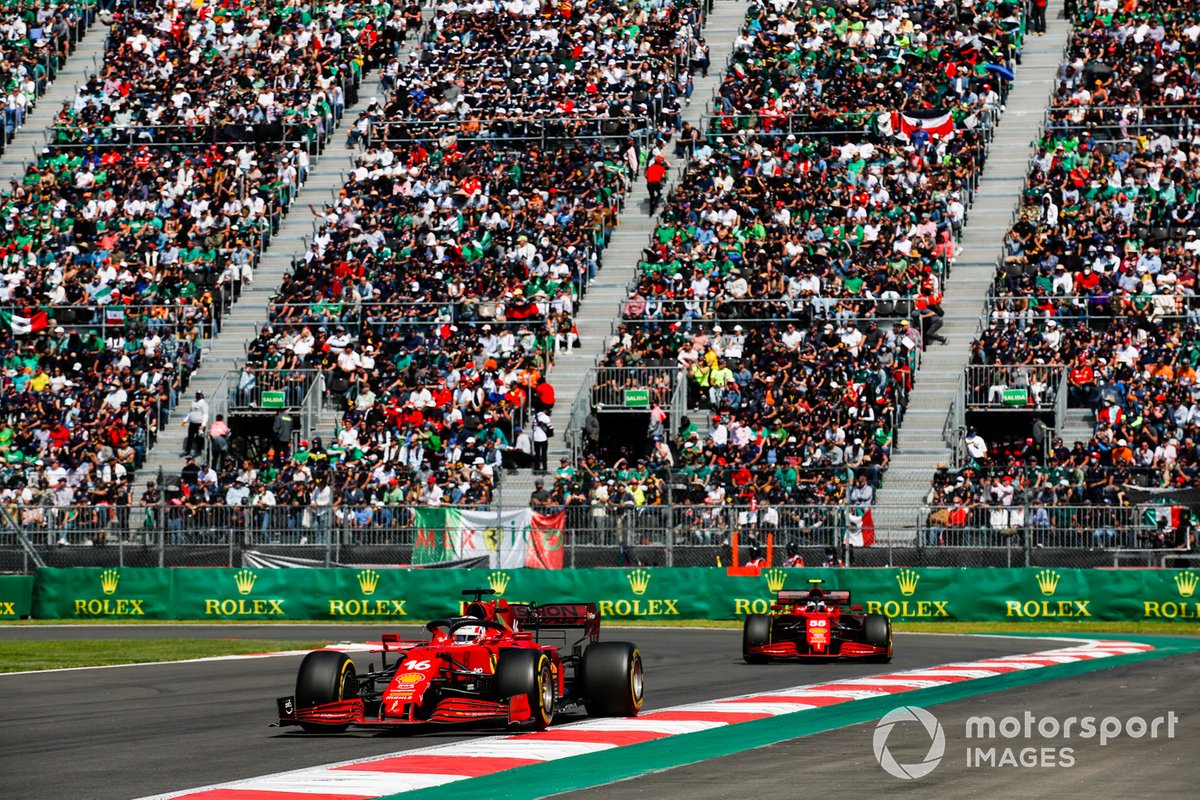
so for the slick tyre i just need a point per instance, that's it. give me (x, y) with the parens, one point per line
(756, 631)
(528, 673)
(877, 631)
(612, 679)
(325, 677)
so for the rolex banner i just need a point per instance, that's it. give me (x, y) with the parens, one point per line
(380, 594)
(16, 596)
(452, 537)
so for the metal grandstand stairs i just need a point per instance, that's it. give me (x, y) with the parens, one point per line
(920, 446)
(33, 135)
(226, 352)
(601, 304)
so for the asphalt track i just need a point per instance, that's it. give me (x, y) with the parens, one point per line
(120, 733)
(841, 762)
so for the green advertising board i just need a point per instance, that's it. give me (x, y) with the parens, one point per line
(16, 596)
(694, 593)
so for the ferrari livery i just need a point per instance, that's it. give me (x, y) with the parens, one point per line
(812, 624)
(498, 663)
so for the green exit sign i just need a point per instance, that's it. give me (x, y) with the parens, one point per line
(272, 399)
(637, 398)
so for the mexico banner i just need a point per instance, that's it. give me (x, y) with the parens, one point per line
(452, 537)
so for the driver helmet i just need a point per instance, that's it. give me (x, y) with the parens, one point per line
(468, 634)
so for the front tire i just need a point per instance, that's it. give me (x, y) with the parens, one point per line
(325, 676)
(756, 631)
(877, 631)
(613, 683)
(528, 673)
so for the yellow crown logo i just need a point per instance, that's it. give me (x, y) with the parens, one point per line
(907, 579)
(776, 578)
(108, 580)
(245, 580)
(368, 579)
(639, 581)
(499, 581)
(1047, 581)
(1186, 582)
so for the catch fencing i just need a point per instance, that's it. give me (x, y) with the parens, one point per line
(180, 531)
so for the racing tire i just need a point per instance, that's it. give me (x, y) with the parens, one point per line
(529, 673)
(325, 676)
(877, 631)
(756, 631)
(612, 680)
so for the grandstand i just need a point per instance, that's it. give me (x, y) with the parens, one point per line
(457, 294)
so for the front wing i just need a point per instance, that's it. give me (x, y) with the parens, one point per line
(840, 648)
(449, 710)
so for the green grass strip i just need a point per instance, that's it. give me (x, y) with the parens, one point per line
(25, 655)
(595, 769)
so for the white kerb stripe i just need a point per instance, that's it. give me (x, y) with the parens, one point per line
(332, 781)
(519, 747)
(667, 726)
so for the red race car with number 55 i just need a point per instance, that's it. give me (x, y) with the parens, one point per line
(498, 662)
(812, 624)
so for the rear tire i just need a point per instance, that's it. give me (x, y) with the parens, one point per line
(877, 631)
(756, 631)
(325, 676)
(528, 672)
(612, 680)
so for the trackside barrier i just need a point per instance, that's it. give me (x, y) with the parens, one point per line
(692, 593)
(16, 596)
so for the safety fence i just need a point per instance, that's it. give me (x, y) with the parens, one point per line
(182, 531)
(404, 595)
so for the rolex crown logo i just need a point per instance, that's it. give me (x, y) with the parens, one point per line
(499, 581)
(244, 579)
(108, 580)
(907, 579)
(1186, 583)
(368, 579)
(639, 581)
(1047, 581)
(776, 578)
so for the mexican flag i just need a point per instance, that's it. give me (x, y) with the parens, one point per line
(860, 527)
(22, 324)
(454, 537)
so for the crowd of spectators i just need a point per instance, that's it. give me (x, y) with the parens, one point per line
(116, 260)
(795, 275)
(489, 70)
(808, 65)
(445, 276)
(1098, 276)
(35, 40)
(266, 71)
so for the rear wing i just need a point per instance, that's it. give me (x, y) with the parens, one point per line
(839, 596)
(558, 618)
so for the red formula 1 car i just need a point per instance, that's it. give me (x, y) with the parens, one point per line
(812, 624)
(498, 662)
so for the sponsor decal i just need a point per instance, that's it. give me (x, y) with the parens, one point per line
(775, 578)
(410, 677)
(244, 580)
(907, 580)
(639, 581)
(1047, 583)
(498, 581)
(1186, 583)
(109, 606)
(368, 580)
